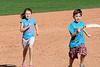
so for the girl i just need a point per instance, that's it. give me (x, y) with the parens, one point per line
(27, 27)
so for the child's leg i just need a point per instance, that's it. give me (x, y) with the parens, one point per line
(71, 62)
(30, 53)
(72, 54)
(82, 57)
(31, 42)
(25, 46)
(83, 53)
(24, 55)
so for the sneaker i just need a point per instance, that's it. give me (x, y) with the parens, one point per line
(82, 66)
(31, 65)
(23, 66)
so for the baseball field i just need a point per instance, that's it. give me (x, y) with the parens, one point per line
(52, 45)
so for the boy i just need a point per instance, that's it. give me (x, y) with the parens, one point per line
(77, 44)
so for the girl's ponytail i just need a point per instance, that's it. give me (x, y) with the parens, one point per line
(22, 16)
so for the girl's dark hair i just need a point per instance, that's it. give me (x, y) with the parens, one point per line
(76, 11)
(23, 14)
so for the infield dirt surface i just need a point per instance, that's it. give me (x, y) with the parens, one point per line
(51, 46)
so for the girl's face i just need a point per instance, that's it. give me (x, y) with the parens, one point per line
(77, 17)
(28, 15)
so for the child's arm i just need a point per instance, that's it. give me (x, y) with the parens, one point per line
(23, 29)
(36, 27)
(74, 34)
(86, 32)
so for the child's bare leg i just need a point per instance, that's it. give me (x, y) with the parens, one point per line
(30, 53)
(24, 55)
(82, 57)
(71, 60)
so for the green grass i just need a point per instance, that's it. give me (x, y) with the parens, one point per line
(9, 7)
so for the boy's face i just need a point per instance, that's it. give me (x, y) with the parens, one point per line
(77, 17)
(27, 14)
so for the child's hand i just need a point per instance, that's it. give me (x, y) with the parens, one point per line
(89, 35)
(29, 25)
(79, 30)
(37, 33)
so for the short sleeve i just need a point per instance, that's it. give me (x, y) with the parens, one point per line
(83, 25)
(71, 29)
(34, 21)
(22, 21)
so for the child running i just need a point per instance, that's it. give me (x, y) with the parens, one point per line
(77, 44)
(27, 27)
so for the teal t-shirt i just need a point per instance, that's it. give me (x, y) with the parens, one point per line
(30, 31)
(79, 38)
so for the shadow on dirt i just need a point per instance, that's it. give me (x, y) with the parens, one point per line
(7, 65)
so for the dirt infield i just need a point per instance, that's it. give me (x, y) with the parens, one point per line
(51, 46)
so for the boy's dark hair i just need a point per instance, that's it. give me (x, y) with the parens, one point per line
(23, 14)
(76, 11)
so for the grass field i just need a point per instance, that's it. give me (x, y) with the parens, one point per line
(9, 7)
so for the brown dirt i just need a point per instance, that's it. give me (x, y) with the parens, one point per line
(51, 46)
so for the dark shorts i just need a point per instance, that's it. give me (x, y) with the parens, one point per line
(81, 49)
